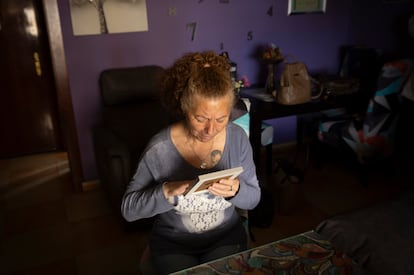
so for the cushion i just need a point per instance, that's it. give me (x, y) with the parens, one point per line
(379, 238)
(126, 85)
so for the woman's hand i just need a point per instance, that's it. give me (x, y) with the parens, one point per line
(225, 187)
(175, 188)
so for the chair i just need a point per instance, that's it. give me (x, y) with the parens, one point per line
(132, 113)
(357, 74)
(361, 63)
(370, 138)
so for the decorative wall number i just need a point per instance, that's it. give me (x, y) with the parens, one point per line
(250, 35)
(172, 11)
(270, 11)
(192, 26)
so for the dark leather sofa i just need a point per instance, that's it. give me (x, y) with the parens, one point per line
(131, 114)
(379, 239)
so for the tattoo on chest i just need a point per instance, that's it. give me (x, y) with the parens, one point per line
(215, 157)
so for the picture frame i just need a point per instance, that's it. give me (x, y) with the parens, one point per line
(306, 6)
(106, 17)
(203, 182)
(396, 1)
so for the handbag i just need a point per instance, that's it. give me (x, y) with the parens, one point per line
(295, 84)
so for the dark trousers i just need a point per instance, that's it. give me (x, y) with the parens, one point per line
(169, 263)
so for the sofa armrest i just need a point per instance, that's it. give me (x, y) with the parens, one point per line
(113, 158)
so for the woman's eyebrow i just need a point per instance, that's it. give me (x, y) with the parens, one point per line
(223, 117)
(202, 116)
(226, 115)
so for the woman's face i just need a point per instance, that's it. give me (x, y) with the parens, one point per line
(208, 117)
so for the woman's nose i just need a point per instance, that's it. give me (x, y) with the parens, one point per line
(210, 127)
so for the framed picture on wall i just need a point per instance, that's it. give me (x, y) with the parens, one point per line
(108, 16)
(306, 6)
(398, 1)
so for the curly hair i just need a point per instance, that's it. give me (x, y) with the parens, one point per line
(201, 73)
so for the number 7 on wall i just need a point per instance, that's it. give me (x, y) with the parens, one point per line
(192, 26)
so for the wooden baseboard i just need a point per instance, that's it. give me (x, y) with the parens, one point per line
(90, 185)
(284, 146)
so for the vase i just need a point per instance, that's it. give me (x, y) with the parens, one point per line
(270, 80)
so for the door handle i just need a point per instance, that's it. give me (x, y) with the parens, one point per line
(37, 64)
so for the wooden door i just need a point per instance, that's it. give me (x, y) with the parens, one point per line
(28, 104)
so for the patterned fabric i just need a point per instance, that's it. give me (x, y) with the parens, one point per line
(375, 137)
(201, 212)
(267, 129)
(306, 253)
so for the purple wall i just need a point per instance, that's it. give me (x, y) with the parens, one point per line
(383, 24)
(312, 38)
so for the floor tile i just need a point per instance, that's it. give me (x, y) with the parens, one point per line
(20, 220)
(61, 267)
(36, 248)
(119, 258)
(45, 189)
(87, 205)
(98, 233)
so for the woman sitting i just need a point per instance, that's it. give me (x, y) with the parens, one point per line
(190, 230)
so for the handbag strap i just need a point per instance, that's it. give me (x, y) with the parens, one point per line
(285, 80)
(290, 57)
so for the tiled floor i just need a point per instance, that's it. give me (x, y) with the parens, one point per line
(46, 228)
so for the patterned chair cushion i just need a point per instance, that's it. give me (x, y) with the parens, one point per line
(373, 135)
